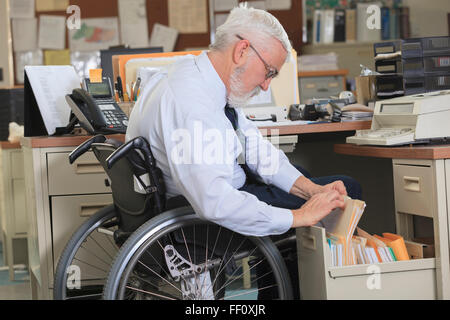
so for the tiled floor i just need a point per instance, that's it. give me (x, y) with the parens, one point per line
(13, 290)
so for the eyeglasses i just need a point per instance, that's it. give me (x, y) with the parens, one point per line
(271, 72)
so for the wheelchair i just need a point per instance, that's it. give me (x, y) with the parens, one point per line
(144, 247)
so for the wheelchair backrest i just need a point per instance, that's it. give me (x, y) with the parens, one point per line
(133, 208)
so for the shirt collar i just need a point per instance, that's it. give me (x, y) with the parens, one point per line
(215, 85)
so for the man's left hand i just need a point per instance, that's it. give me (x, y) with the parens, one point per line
(336, 185)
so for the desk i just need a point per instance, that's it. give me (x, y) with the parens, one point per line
(59, 197)
(421, 188)
(12, 201)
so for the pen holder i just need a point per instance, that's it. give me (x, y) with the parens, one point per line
(126, 107)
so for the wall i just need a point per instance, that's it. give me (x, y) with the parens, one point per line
(428, 18)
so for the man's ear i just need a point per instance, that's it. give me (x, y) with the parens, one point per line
(240, 52)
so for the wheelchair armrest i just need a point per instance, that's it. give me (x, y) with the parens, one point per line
(139, 143)
(85, 146)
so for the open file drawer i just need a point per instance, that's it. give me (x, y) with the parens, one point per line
(413, 279)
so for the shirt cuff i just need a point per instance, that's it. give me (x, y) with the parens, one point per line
(283, 220)
(286, 176)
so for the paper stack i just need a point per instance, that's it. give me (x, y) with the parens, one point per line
(340, 235)
(317, 62)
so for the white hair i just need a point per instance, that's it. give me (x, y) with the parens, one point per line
(254, 25)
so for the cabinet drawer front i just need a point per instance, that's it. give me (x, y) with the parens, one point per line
(85, 175)
(413, 189)
(320, 87)
(68, 213)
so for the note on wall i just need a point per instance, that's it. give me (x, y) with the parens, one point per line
(225, 5)
(24, 34)
(22, 59)
(95, 34)
(57, 57)
(133, 23)
(21, 9)
(163, 36)
(188, 16)
(51, 5)
(52, 32)
(278, 4)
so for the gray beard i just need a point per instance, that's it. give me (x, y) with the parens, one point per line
(236, 98)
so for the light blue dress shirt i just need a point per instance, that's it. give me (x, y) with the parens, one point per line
(181, 113)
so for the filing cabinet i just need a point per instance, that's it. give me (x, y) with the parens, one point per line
(321, 84)
(60, 197)
(12, 202)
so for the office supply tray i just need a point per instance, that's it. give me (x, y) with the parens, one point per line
(423, 47)
(412, 279)
(420, 67)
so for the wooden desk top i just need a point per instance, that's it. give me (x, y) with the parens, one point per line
(403, 152)
(60, 141)
(9, 145)
(317, 127)
(73, 141)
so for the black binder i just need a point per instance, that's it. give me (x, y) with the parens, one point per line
(339, 25)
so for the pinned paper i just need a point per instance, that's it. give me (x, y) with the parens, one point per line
(57, 57)
(95, 75)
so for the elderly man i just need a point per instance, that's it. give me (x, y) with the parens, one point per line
(192, 118)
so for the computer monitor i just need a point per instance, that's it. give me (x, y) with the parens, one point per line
(106, 57)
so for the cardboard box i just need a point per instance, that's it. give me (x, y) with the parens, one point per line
(365, 89)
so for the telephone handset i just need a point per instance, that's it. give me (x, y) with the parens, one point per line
(97, 115)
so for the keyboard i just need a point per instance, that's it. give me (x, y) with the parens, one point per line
(383, 136)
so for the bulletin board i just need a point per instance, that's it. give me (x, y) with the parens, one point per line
(157, 11)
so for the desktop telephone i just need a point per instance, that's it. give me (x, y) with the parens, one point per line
(96, 109)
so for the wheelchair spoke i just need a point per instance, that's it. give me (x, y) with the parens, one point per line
(150, 293)
(158, 275)
(250, 291)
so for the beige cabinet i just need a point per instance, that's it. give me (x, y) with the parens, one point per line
(422, 194)
(60, 197)
(12, 203)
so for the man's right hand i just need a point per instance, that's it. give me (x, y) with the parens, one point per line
(317, 207)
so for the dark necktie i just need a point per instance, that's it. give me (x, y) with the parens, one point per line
(231, 115)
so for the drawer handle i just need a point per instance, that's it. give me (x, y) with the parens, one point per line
(88, 167)
(87, 210)
(308, 242)
(411, 183)
(322, 90)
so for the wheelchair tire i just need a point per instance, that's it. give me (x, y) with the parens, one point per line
(77, 251)
(182, 243)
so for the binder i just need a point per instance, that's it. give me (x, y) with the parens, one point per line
(328, 26)
(339, 25)
(385, 23)
(350, 25)
(317, 27)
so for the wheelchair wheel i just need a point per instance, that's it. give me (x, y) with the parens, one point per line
(84, 264)
(177, 256)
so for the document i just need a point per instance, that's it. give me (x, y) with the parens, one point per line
(95, 34)
(50, 85)
(225, 5)
(188, 16)
(163, 36)
(52, 32)
(133, 23)
(27, 58)
(51, 5)
(24, 34)
(21, 9)
(279, 5)
(57, 57)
